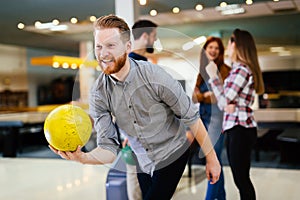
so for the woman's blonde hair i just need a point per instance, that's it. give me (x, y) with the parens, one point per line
(246, 52)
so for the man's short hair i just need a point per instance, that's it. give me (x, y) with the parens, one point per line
(113, 21)
(142, 26)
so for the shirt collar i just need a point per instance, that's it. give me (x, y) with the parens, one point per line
(130, 75)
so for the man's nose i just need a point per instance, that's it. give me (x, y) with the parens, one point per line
(104, 52)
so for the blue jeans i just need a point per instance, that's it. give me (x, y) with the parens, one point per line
(212, 118)
(217, 190)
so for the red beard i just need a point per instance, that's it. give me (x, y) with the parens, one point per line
(117, 65)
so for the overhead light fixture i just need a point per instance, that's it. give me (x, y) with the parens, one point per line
(188, 46)
(249, 2)
(223, 4)
(63, 61)
(197, 41)
(153, 13)
(143, 2)
(37, 24)
(59, 28)
(21, 25)
(175, 10)
(281, 51)
(199, 7)
(231, 9)
(200, 40)
(93, 18)
(73, 20)
(276, 49)
(55, 22)
(52, 26)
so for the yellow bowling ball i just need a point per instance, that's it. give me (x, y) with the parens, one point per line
(66, 127)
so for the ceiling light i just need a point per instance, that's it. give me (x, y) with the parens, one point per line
(93, 18)
(37, 24)
(249, 2)
(175, 10)
(64, 61)
(143, 2)
(59, 28)
(276, 49)
(188, 46)
(230, 9)
(73, 20)
(65, 65)
(55, 22)
(21, 25)
(40, 25)
(73, 66)
(200, 40)
(55, 64)
(281, 51)
(223, 4)
(153, 12)
(198, 7)
(284, 53)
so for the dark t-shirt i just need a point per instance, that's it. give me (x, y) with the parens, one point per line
(136, 56)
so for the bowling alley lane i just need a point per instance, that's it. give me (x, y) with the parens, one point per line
(49, 179)
(35, 179)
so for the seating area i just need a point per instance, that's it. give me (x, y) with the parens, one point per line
(289, 141)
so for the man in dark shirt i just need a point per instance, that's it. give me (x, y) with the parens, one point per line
(144, 35)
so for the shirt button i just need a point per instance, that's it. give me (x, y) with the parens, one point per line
(129, 106)
(134, 122)
(147, 149)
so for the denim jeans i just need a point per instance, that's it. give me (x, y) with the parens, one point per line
(212, 118)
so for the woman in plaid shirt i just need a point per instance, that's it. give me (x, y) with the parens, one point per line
(235, 97)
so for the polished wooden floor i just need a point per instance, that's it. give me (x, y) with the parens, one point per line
(52, 178)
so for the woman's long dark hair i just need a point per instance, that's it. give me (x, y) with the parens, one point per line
(245, 52)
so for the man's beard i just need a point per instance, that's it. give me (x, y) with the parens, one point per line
(118, 64)
(149, 49)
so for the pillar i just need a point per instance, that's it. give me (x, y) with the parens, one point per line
(86, 73)
(128, 10)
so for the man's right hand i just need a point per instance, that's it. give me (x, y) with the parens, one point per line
(213, 167)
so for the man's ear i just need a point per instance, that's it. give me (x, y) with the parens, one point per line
(128, 46)
(145, 36)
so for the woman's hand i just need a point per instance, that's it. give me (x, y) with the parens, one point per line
(230, 108)
(211, 69)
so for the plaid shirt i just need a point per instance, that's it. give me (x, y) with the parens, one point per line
(238, 89)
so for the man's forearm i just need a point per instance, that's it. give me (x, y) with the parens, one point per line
(98, 156)
(200, 134)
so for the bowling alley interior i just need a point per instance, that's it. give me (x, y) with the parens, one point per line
(47, 60)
